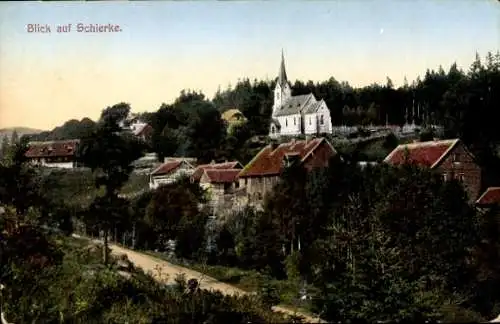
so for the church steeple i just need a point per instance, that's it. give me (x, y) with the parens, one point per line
(282, 91)
(282, 79)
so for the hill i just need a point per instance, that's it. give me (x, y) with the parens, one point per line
(20, 131)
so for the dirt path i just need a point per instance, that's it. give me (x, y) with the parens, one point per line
(166, 271)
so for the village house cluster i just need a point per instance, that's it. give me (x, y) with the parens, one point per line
(230, 185)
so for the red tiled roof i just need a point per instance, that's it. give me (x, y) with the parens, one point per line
(269, 161)
(490, 197)
(198, 172)
(167, 167)
(426, 154)
(52, 149)
(222, 175)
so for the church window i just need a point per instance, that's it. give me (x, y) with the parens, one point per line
(272, 129)
(321, 120)
(294, 121)
(286, 121)
(309, 120)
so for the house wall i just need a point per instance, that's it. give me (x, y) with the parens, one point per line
(156, 181)
(258, 187)
(320, 157)
(62, 163)
(464, 169)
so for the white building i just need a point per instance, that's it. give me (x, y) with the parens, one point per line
(296, 115)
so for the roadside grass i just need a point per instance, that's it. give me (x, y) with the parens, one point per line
(250, 281)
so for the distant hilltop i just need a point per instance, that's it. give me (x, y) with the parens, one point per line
(7, 132)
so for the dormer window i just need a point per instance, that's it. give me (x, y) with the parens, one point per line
(290, 159)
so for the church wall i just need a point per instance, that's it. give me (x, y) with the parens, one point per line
(288, 127)
(311, 124)
(327, 125)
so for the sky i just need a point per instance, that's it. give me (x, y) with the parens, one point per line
(164, 47)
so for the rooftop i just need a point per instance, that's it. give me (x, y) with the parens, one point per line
(427, 154)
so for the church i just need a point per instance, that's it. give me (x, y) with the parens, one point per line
(297, 115)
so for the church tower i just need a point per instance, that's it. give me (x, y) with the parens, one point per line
(282, 92)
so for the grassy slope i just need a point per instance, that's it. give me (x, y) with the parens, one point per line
(76, 187)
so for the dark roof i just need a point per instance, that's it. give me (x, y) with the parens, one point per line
(52, 149)
(490, 197)
(169, 167)
(306, 104)
(427, 154)
(221, 176)
(269, 161)
(198, 172)
(282, 78)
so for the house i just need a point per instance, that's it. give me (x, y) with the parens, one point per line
(490, 198)
(450, 158)
(261, 174)
(169, 172)
(143, 131)
(200, 169)
(219, 182)
(56, 154)
(137, 127)
(232, 118)
(296, 115)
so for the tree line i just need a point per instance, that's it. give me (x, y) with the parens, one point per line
(464, 102)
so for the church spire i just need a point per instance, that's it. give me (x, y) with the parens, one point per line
(282, 79)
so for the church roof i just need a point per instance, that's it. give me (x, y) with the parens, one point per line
(282, 79)
(306, 104)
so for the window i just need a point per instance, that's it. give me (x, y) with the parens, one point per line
(272, 129)
(445, 176)
(321, 120)
(294, 121)
(455, 157)
(309, 120)
(461, 177)
(286, 121)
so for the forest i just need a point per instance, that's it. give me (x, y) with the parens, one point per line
(377, 243)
